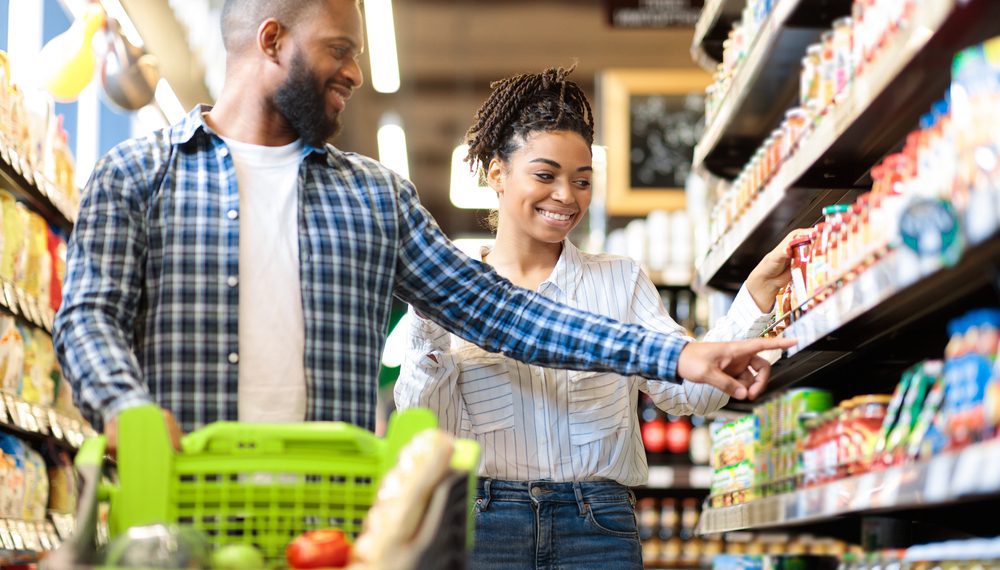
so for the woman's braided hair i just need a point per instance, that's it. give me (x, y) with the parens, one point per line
(524, 104)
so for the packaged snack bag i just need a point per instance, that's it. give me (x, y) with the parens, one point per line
(57, 259)
(11, 355)
(12, 495)
(29, 391)
(13, 238)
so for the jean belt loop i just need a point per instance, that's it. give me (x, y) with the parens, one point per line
(580, 502)
(486, 493)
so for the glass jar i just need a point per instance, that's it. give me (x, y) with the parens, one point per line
(800, 249)
(843, 31)
(869, 414)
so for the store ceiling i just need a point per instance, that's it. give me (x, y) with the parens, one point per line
(449, 52)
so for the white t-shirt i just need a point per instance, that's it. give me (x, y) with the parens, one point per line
(271, 328)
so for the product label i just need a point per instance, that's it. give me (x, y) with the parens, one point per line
(929, 228)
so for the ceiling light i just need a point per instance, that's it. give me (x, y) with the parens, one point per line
(465, 191)
(392, 145)
(382, 46)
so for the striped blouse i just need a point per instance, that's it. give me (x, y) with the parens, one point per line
(538, 423)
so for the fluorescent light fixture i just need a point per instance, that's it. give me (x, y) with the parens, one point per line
(465, 191)
(392, 144)
(382, 46)
(168, 102)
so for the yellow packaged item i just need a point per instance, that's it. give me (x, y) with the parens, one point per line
(11, 355)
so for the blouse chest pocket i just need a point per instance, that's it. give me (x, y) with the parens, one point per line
(484, 383)
(599, 406)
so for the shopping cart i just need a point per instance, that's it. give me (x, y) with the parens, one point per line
(264, 484)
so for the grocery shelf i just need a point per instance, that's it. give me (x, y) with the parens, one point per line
(33, 189)
(22, 542)
(15, 301)
(764, 84)
(943, 480)
(880, 304)
(33, 422)
(779, 209)
(870, 118)
(713, 27)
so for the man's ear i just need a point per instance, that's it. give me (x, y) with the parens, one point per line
(270, 34)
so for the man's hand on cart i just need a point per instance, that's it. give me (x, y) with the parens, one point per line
(173, 430)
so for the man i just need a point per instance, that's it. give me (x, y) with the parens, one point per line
(233, 266)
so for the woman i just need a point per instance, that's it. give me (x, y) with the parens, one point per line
(560, 448)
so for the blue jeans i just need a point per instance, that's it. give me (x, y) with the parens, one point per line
(546, 526)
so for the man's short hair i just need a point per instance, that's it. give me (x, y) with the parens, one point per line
(241, 18)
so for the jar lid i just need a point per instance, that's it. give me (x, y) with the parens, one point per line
(799, 241)
(882, 399)
(836, 209)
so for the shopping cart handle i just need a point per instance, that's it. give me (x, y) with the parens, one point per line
(244, 438)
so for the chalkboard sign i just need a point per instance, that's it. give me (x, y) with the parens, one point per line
(650, 122)
(663, 130)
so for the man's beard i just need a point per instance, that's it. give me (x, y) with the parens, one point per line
(301, 100)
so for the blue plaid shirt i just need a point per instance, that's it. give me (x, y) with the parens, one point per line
(149, 313)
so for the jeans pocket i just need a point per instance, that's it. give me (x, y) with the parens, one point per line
(614, 518)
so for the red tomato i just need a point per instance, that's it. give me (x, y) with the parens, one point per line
(319, 549)
(678, 436)
(654, 435)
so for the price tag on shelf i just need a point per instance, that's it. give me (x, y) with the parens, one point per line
(965, 479)
(54, 424)
(5, 538)
(74, 433)
(990, 482)
(12, 410)
(701, 477)
(22, 302)
(862, 498)
(15, 534)
(29, 176)
(30, 534)
(48, 318)
(32, 310)
(43, 537)
(938, 484)
(4, 152)
(41, 419)
(660, 477)
(831, 498)
(891, 480)
(23, 415)
(10, 298)
(15, 161)
(27, 420)
(53, 535)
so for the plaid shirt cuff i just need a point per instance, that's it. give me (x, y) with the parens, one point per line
(662, 352)
(128, 400)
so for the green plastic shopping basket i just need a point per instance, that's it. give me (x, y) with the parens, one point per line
(261, 484)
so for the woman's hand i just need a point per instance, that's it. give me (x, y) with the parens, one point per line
(773, 272)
